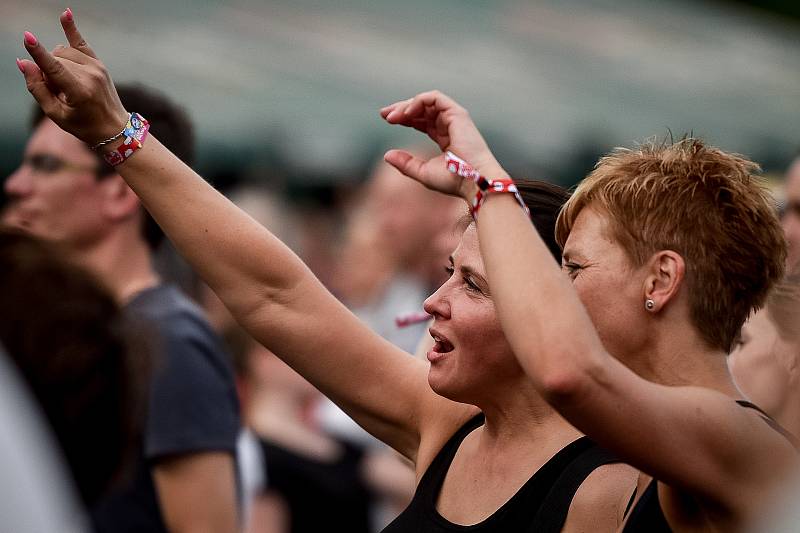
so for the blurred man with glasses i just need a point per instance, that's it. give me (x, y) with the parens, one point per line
(65, 193)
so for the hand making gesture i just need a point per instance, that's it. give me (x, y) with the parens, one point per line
(72, 86)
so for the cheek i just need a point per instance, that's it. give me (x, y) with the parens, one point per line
(611, 310)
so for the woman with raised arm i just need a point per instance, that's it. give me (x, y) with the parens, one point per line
(667, 248)
(490, 454)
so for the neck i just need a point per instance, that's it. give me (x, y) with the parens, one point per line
(517, 412)
(674, 357)
(273, 410)
(122, 261)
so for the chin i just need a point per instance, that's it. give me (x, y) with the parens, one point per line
(446, 388)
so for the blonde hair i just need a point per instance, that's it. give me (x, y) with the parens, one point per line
(703, 203)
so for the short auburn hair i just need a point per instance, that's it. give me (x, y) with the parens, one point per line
(703, 203)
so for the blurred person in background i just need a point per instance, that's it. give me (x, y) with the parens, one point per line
(280, 409)
(791, 214)
(69, 340)
(766, 360)
(36, 492)
(667, 248)
(397, 236)
(487, 449)
(67, 194)
(312, 479)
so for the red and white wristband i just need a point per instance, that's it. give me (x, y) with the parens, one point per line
(486, 186)
(133, 136)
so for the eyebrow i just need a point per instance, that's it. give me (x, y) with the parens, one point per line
(464, 269)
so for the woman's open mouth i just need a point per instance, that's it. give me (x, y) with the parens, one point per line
(441, 346)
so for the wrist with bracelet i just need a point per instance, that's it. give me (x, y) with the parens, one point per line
(133, 136)
(486, 186)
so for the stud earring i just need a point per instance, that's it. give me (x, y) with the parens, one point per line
(649, 304)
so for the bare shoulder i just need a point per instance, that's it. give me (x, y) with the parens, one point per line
(440, 420)
(600, 502)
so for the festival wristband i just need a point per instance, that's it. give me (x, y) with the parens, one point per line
(486, 186)
(133, 136)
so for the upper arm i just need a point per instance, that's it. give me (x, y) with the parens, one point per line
(689, 438)
(197, 492)
(381, 387)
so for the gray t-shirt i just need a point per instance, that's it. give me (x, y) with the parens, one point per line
(193, 405)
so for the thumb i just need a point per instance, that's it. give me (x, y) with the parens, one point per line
(37, 85)
(406, 163)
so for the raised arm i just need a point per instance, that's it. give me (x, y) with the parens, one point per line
(690, 438)
(266, 286)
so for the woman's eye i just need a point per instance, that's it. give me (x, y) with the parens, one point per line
(449, 270)
(571, 269)
(471, 285)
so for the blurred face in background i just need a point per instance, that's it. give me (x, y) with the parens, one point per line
(762, 363)
(791, 217)
(55, 193)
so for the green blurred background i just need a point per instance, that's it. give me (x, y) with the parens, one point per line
(292, 88)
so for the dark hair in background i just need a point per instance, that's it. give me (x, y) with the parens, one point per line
(544, 201)
(169, 123)
(65, 333)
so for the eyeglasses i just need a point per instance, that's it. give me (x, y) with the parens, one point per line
(50, 164)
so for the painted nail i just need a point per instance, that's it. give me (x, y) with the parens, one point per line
(30, 39)
(68, 14)
(20, 65)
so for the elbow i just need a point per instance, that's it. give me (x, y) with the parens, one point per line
(561, 387)
(565, 384)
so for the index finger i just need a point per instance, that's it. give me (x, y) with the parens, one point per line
(74, 37)
(435, 99)
(57, 74)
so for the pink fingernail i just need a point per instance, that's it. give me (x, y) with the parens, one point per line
(68, 14)
(30, 39)
(20, 65)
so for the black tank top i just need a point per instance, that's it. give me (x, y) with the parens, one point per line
(319, 495)
(540, 505)
(647, 515)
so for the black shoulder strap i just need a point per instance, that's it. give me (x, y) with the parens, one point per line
(772, 422)
(553, 511)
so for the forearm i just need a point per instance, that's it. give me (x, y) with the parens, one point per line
(542, 317)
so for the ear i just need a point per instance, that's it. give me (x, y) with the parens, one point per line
(666, 272)
(119, 201)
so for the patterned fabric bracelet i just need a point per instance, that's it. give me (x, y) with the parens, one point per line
(133, 137)
(486, 186)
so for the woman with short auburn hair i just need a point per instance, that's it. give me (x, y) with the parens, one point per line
(667, 248)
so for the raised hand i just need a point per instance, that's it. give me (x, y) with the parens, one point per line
(72, 86)
(449, 126)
